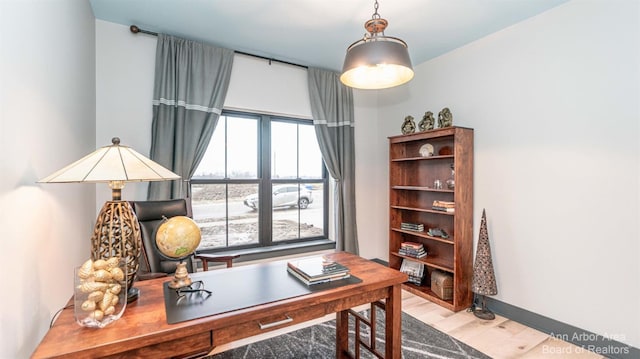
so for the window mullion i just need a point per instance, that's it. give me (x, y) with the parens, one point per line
(266, 212)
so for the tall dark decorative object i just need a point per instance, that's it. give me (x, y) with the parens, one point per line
(484, 279)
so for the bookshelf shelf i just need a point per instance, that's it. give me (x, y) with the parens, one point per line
(423, 235)
(426, 292)
(433, 262)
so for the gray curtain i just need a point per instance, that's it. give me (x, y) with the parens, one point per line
(191, 82)
(332, 110)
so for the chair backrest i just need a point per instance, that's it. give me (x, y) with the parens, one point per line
(150, 215)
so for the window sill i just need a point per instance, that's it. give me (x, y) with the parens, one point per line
(260, 253)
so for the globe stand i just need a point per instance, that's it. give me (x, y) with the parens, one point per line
(181, 277)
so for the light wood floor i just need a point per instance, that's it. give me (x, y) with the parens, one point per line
(498, 338)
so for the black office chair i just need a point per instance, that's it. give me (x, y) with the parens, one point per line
(150, 215)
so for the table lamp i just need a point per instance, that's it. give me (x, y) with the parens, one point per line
(117, 231)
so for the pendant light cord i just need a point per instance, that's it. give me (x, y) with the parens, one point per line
(375, 12)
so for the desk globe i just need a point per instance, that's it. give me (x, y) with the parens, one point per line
(176, 239)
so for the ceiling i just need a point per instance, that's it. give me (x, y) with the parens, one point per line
(317, 33)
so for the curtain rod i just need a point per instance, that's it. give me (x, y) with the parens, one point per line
(135, 29)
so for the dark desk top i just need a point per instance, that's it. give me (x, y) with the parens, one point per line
(241, 288)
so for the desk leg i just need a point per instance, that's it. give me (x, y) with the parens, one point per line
(393, 323)
(342, 334)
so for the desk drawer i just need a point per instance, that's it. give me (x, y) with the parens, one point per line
(276, 319)
(268, 323)
(193, 346)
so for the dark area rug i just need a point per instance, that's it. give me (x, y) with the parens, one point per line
(419, 340)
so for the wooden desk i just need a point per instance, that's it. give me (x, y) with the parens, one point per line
(143, 330)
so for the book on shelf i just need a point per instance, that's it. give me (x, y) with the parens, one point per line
(415, 280)
(414, 270)
(412, 249)
(410, 253)
(317, 268)
(408, 224)
(414, 245)
(412, 226)
(444, 206)
(443, 209)
(412, 267)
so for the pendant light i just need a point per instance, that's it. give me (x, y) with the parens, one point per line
(376, 61)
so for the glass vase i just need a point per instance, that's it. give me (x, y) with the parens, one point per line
(100, 295)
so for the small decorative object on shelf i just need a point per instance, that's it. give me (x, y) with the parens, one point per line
(426, 150)
(438, 232)
(412, 249)
(100, 292)
(445, 151)
(427, 122)
(444, 206)
(414, 269)
(445, 118)
(451, 182)
(484, 279)
(408, 126)
(442, 284)
(437, 184)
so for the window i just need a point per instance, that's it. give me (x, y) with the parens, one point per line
(261, 182)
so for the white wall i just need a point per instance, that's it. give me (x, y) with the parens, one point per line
(125, 63)
(554, 102)
(372, 177)
(47, 120)
(274, 88)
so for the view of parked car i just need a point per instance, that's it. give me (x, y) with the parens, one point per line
(284, 196)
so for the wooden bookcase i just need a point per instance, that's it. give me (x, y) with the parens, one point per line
(411, 195)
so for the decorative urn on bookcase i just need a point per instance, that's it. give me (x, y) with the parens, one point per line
(451, 181)
(431, 210)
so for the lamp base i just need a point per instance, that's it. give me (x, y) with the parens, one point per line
(117, 234)
(133, 294)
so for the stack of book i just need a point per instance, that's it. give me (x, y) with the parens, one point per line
(317, 270)
(412, 249)
(443, 206)
(414, 269)
(412, 226)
